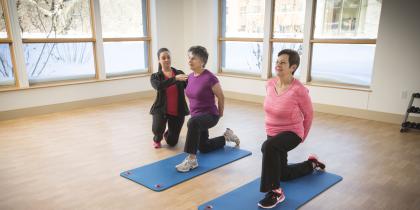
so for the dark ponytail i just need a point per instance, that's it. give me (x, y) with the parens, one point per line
(161, 50)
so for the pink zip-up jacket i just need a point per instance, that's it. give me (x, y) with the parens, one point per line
(289, 111)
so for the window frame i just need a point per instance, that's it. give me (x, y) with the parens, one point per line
(313, 41)
(91, 39)
(280, 40)
(17, 57)
(222, 39)
(307, 41)
(146, 39)
(9, 40)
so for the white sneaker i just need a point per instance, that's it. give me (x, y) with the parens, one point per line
(187, 165)
(230, 136)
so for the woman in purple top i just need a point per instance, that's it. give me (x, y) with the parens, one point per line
(203, 86)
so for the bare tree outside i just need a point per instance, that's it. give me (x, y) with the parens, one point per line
(257, 52)
(54, 19)
(6, 72)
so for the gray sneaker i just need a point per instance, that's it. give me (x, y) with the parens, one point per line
(187, 165)
(230, 136)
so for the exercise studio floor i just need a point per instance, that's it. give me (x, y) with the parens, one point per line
(72, 160)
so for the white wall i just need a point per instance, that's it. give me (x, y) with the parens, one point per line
(180, 25)
(201, 28)
(170, 31)
(397, 59)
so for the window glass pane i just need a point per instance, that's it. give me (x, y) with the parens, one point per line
(54, 18)
(277, 47)
(123, 58)
(124, 15)
(343, 63)
(347, 18)
(242, 57)
(6, 71)
(243, 18)
(3, 33)
(289, 18)
(59, 61)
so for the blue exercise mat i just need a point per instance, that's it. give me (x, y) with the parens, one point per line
(297, 192)
(162, 175)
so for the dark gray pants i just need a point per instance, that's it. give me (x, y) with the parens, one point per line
(198, 134)
(274, 162)
(174, 128)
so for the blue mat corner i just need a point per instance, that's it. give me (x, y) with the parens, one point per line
(161, 175)
(297, 192)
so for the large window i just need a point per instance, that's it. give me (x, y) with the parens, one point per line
(46, 62)
(335, 38)
(352, 19)
(59, 41)
(289, 19)
(344, 41)
(126, 43)
(7, 77)
(241, 36)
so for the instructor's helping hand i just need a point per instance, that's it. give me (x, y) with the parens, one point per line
(181, 77)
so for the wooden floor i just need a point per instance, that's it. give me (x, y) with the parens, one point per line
(72, 160)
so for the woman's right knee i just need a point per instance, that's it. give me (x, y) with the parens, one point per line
(272, 144)
(267, 143)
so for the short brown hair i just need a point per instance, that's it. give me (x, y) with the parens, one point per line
(201, 52)
(294, 58)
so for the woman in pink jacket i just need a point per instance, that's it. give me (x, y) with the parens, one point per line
(288, 119)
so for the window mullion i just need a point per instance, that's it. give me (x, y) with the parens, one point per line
(309, 27)
(99, 44)
(18, 55)
(268, 32)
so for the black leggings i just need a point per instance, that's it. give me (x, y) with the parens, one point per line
(174, 128)
(274, 162)
(198, 134)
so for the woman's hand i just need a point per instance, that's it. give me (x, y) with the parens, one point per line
(181, 77)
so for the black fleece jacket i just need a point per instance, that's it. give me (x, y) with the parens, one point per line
(159, 83)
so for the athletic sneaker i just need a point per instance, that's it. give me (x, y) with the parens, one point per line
(271, 199)
(230, 136)
(187, 165)
(318, 164)
(157, 145)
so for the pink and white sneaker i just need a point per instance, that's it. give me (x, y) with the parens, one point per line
(318, 164)
(272, 198)
(156, 145)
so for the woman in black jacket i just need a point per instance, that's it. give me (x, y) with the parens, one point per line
(170, 105)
